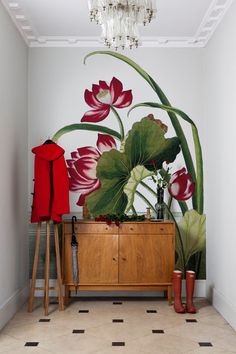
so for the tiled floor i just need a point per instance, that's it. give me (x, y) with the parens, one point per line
(121, 326)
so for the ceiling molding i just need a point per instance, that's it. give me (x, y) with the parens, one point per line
(207, 27)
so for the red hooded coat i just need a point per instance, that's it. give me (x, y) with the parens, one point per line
(51, 184)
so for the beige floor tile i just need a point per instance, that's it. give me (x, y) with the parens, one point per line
(36, 332)
(8, 343)
(228, 342)
(118, 332)
(74, 343)
(200, 332)
(29, 350)
(22, 318)
(159, 343)
(151, 323)
(83, 322)
(121, 350)
(214, 320)
(210, 350)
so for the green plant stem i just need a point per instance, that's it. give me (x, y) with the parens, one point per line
(198, 263)
(146, 201)
(169, 202)
(183, 206)
(178, 234)
(85, 126)
(122, 131)
(199, 164)
(148, 188)
(134, 210)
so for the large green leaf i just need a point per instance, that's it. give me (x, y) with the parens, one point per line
(137, 174)
(192, 230)
(120, 172)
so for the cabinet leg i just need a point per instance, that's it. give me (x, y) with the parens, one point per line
(170, 294)
(67, 295)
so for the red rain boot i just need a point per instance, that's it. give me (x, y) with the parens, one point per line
(190, 282)
(177, 285)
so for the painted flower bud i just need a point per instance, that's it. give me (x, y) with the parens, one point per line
(181, 186)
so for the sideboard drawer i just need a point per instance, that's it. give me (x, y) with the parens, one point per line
(147, 228)
(91, 228)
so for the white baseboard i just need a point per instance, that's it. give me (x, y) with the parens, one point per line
(200, 290)
(12, 305)
(224, 307)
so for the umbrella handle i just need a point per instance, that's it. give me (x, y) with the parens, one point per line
(73, 220)
(73, 239)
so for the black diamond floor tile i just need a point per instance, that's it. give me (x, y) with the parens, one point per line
(31, 344)
(118, 344)
(191, 320)
(83, 311)
(158, 331)
(78, 331)
(44, 320)
(205, 344)
(117, 320)
(151, 311)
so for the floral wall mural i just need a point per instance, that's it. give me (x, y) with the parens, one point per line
(107, 177)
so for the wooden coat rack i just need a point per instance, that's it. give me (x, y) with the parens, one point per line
(46, 287)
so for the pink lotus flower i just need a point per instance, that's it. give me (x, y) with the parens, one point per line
(103, 97)
(82, 166)
(181, 186)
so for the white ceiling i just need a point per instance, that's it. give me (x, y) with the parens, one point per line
(179, 23)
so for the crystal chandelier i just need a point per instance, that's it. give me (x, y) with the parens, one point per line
(120, 19)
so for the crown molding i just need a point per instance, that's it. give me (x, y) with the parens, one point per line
(214, 15)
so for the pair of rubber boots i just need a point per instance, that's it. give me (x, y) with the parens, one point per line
(177, 285)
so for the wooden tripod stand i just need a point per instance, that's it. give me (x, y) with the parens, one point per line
(46, 287)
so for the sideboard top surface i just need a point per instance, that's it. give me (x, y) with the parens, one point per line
(92, 221)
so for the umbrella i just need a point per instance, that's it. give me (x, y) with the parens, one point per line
(74, 249)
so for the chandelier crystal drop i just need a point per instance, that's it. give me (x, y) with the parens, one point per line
(120, 19)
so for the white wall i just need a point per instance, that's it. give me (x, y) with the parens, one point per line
(58, 78)
(13, 157)
(220, 128)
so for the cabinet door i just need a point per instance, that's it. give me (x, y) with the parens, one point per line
(98, 259)
(146, 258)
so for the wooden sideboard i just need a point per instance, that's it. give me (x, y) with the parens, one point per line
(133, 256)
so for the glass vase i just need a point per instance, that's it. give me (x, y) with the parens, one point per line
(160, 205)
